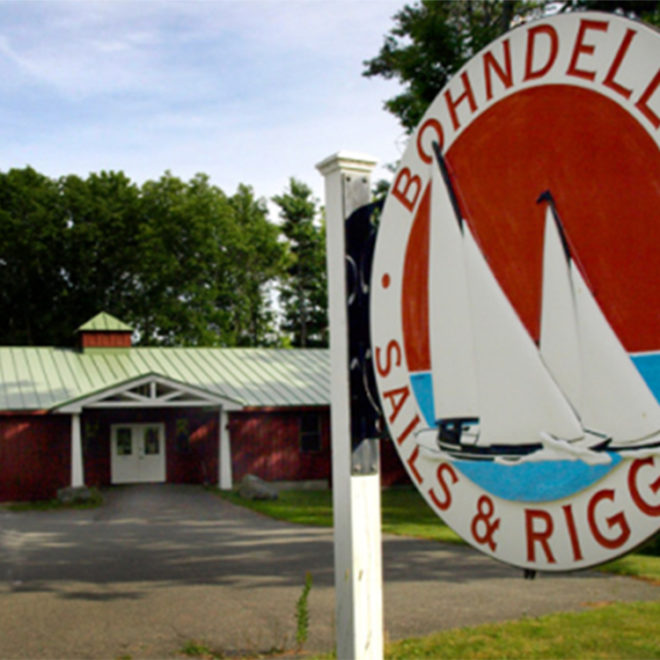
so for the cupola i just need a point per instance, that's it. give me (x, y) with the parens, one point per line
(104, 331)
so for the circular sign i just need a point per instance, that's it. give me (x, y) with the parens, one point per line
(515, 295)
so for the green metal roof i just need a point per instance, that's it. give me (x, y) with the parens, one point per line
(47, 378)
(104, 322)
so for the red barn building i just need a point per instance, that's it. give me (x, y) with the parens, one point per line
(110, 413)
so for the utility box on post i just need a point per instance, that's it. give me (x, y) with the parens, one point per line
(365, 410)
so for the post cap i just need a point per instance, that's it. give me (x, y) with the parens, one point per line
(347, 161)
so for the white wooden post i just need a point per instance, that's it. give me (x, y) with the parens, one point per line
(77, 469)
(224, 441)
(356, 499)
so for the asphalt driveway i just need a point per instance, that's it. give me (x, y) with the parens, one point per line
(158, 566)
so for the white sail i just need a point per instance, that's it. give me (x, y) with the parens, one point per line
(452, 359)
(615, 398)
(559, 340)
(518, 398)
(584, 354)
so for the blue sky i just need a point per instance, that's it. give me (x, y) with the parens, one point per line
(246, 91)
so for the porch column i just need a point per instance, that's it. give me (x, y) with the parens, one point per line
(77, 469)
(224, 441)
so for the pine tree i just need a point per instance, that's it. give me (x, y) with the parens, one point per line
(303, 291)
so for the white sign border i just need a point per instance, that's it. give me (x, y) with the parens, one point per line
(622, 509)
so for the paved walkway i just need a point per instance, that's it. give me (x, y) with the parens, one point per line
(157, 566)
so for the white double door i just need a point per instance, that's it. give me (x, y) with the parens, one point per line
(137, 453)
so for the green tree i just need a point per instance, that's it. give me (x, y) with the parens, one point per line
(431, 40)
(100, 253)
(258, 258)
(303, 291)
(207, 261)
(185, 243)
(180, 261)
(32, 279)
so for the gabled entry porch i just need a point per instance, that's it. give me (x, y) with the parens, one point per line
(150, 429)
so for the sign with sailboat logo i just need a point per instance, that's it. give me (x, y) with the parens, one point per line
(515, 299)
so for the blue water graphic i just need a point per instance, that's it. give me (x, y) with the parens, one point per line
(648, 364)
(541, 481)
(535, 481)
(422, 385)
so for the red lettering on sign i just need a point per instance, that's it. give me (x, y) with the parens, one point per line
(538, 535)
(491, 64)
(618, 519)
(645, 507)
(412, 186)
(412, 459)
(642, 104)
(614, 69)
(466, 95)
(407, 431)
(397, 397)
(436, 126)
(532, 34)
(445, 503)
(587, 49)
(392, 347)
(483, 530)
(572, 531)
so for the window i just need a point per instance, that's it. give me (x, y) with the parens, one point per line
(151, 441)
(124, 443)
(183, 435)
(310, 432)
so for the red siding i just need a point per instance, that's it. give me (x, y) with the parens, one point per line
(194, 460)
(267, 444)
(35, 456)
(392, 472)
(35, 450)
(105, 339)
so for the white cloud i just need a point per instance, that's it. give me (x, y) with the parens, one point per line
(252, 91)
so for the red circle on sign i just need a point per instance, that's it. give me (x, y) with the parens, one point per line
(603, 170)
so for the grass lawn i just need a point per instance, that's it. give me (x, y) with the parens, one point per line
(634, 565)
(304, 507)
(615, 631)
(630, 630)
(405, 512)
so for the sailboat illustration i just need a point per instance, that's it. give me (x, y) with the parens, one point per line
(584, 354)
(496, 394)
